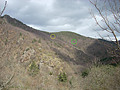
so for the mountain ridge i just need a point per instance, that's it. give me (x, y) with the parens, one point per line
(64, 37)
(18, 23)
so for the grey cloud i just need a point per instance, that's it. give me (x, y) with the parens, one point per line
(55, 15)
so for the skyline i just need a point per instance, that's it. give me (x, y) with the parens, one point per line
(56, 15)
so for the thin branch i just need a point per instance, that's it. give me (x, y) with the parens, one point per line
(3, 9)
(115, 28)
(99, 24)
(107, 24)
(7, 82)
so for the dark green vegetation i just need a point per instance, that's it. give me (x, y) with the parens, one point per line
(33, 69)
(34, 40)
(27, 49)
(42, 63)
(62, 77)
(50, 73)
(20, 34)
(85, 73)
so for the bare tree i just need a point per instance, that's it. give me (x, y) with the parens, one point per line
(109, 12)
(109, 9)
(1, 12)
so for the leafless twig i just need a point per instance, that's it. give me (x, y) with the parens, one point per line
(3, 9)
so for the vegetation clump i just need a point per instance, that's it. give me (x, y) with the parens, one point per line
(6, 41)
(20, 34)
(51, 73)
(27, 49)
(84, 73)
(33, 69)
(62, 77)
(34, 40)
(39, 41)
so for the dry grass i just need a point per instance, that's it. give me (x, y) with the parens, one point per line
(41, 51)
(103, 78)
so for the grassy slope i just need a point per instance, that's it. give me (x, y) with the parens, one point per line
(18, 49)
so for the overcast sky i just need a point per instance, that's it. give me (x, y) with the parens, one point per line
(55, 15)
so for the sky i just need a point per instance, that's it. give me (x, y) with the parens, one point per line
(56, 15)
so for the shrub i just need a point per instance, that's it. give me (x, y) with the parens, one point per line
(27, 49)
(33, 69)
(85, 73)
(6, 42)
(39, 41)
(34, 40)
(62, 77)
(20, 34)
(50, 73)
(70, 82)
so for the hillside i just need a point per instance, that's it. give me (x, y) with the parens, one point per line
(31, 60)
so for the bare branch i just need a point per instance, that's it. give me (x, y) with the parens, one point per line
(106, 21)
(98, 23)
(3, 9)
(115, 28)
(7, 82)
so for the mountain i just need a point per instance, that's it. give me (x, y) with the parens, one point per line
(30, 59)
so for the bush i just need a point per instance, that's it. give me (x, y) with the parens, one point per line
(62, 77)
(70, 82)
(39, 41)
(85, 73)
(6, 42)
(33, 69)
(27, 49)
(34, 40)
(50, 73)
(20, 34)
